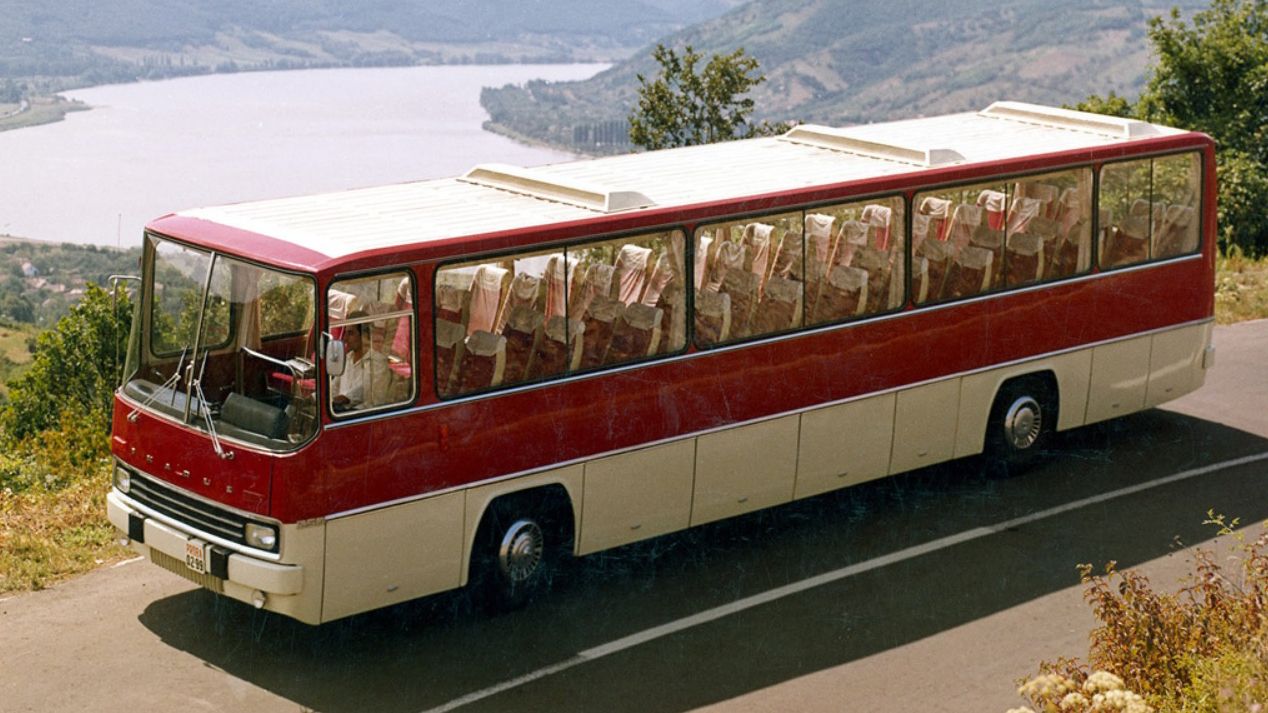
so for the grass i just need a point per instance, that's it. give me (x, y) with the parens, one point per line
(1241, 288)
(14, 354)
(47, 535)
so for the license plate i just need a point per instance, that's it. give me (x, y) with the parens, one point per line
(196, 556)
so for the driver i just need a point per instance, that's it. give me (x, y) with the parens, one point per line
(366, 378)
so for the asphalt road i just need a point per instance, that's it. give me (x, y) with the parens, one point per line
(932, 591)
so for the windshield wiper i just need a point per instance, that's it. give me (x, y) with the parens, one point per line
(169, 385)
(197, 389)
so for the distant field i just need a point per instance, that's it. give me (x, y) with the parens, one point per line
(14, 356)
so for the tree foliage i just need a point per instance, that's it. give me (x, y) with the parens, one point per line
(1212, 76)
(683, 106)
(73, 371)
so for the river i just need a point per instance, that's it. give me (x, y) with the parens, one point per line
(152, 148)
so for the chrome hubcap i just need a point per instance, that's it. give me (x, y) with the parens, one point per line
(521, 551)
(1022, 423)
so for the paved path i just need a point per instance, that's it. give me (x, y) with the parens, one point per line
(933, 591)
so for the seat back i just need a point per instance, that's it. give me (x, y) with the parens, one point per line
(600, 322)
(878, 218)
(449, 351)
(713, 317)
(993, 204)
(631, 272)
(487, 291)
(843, 295)
(637, 334)
(559, 351)
(780, 306)
(483, 363)
(1025, 259)
(970, 273)
(523, 330)
(939, 256)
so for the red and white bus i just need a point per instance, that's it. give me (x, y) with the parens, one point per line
(338, 402)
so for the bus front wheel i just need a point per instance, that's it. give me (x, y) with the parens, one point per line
(1021, 424)
(516, 550)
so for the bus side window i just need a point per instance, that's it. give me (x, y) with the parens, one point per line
(1049, 227)
(1128, 213)
(854, 262)
(491, 317)
(629, 297)
(374, 317)
(535, 315)
(1176, 185)
(962, 244)
(756, 267)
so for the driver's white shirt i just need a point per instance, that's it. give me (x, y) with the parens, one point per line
(365, 382)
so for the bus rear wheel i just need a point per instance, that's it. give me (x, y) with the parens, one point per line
(1021, 424)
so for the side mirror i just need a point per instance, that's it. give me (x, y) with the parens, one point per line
(335, 361)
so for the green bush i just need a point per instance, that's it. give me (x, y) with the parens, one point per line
(1243, 202)
(73, 371)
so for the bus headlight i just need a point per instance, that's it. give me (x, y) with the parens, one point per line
(262, 536)
(122, 479)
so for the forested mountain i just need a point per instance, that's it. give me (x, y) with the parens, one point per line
(849, 61)
(84, 41)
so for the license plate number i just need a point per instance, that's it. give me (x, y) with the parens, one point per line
(196, 556)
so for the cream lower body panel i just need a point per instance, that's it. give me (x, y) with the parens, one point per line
(636, 495)
(392, 555)
(1177, 363)
(844, 445)
(744, 469)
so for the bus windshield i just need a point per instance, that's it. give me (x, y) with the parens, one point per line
(225, 346)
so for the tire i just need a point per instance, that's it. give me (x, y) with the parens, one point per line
(1020, 426)
(517, 550)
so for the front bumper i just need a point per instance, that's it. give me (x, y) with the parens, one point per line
(270, 585)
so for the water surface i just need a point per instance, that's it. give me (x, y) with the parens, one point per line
(153, 148)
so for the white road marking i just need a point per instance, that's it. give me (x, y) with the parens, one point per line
(117, 565)
(704, 617)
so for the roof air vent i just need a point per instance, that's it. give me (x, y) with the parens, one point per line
(539, 185)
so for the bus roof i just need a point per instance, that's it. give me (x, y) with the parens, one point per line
(491, 199)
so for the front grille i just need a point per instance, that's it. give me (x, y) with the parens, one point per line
(192, 511)
(175, 566)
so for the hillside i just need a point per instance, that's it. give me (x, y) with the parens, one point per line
(40, 281)
(851, 61)
(52, 46)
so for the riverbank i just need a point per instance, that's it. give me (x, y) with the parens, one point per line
(37, 110)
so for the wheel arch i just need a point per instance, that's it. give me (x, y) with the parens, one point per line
(1064, 379)
(558, 490)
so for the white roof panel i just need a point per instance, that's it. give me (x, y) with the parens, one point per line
(494, 199)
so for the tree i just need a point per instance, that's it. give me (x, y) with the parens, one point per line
(74, 369)
(683, 107)
(1212, 76)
